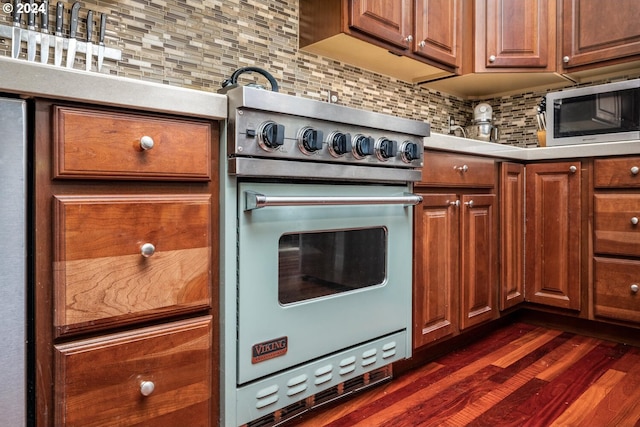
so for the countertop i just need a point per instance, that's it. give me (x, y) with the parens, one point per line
(469, 146)
(43, 80)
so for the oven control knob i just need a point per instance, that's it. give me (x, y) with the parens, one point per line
(339, 143)
(362, 146)
(386, 148)
(309, 140)
(270, 135)
(409, 151)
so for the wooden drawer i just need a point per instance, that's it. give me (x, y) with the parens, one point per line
(100, 381)
(104, 144)
(617, 172)
(614, 295)
(101, 277)
(614, 229)
(448, 169)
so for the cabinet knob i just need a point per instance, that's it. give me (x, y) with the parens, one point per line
(635, 170)
(635, 288)
(455, 203)
(408, 39)
(463, 168)
(147, 250)
(147, 387)
(634, 220)
(146, 143)
(565, 59)
(573, 169)
(422, 44)
(469, 203)
(492, 58)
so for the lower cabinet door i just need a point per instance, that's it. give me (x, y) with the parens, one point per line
(616, 293)
(159, 376)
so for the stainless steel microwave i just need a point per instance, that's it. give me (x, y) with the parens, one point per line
(603, 113)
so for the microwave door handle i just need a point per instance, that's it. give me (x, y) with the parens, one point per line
(255, 200)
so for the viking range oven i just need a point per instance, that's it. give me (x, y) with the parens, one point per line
(317, 231)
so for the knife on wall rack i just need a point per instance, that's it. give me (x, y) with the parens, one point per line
(73, 28)
(57, 60)
(44, 33)
(16, 32)
(31, 27)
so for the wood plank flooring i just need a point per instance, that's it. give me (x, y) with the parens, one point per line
(519, 375)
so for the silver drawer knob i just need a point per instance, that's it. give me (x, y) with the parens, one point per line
(635, 170)
(634, 220)
(565, 59)
(146, 143)
(408, 39)
(456, 203)
(469, 203)
(492, 58)
(635, 288)
(422, 44)
(573, 169)
(147, 250)
(147, 387)
(463, 168)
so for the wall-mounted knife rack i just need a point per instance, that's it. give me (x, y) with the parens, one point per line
(6, 31)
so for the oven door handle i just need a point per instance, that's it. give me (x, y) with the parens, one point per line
(255, 200)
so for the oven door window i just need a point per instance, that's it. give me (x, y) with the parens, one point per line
(319, 264)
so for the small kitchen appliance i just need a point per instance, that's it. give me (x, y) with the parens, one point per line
(602, 113)
(482, 128)
(316, 243)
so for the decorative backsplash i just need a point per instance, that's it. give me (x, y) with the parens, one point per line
(197, 44)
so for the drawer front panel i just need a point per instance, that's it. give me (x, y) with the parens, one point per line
(94, 143)
(616, 284)
(617, 224)
(158, 376)
(618, 172)
(101, 276)
(447, 169)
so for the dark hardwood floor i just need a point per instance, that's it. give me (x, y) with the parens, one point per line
(519, 375)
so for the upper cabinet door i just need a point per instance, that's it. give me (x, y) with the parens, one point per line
(439, 30)
(515, 34)
(388, 20)
(594, 31)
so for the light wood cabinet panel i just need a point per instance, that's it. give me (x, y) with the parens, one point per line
(512, 195)
(594, 33)
(616, 294)
(435, 286)
(158, 376)
(553, 234)
(102, 275)
(479, 284)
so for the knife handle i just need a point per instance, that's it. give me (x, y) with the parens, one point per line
(44, 17)
(73, 25)
(59, 18)
(17, 12)
(103, 26)
(89, 25)
(31, 20)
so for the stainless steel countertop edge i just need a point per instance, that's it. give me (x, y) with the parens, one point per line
(469, 146)
(42, 80)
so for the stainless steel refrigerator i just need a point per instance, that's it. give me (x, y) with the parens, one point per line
(13, 262)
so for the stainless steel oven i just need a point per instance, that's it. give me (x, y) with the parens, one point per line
(317, 231)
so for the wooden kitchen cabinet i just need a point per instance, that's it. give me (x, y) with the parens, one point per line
(512, 225)
(414, 41)
(616, 240)
(594, 34)
(553, 234)
(455, 247)
(125, 266)
(515, 35)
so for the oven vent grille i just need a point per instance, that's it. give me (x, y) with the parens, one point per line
(339, 391)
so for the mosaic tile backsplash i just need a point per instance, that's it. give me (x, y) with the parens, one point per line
(197, 44)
